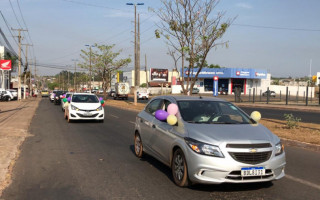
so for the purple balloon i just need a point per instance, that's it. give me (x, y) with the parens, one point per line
(161, 115)
(69, 98)
(100, 99)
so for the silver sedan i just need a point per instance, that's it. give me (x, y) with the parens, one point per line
(212, 142)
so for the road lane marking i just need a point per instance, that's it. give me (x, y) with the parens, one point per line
(303, 182)
(132, 122)
(114, 116)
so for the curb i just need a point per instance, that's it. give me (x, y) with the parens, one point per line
(304, 145)
(278, 107)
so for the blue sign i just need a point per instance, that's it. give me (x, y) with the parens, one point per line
(228, 73)
(215, 88)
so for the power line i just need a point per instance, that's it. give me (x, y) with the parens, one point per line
(278, 28)
(92, 5)
(24, 22)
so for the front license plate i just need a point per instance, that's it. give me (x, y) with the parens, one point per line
(87, 114)
(253, 171)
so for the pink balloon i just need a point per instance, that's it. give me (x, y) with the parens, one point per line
(172, 109)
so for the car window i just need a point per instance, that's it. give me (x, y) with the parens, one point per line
(153, 106)
(166, 104)
(85, 99)
(212, 112)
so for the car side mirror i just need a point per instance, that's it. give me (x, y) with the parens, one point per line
(256, 116)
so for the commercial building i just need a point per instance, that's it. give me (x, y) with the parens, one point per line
(230, 78)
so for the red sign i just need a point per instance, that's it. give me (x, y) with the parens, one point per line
(5, 64)
(238, 73)
(216, 78)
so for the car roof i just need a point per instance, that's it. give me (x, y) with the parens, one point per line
(191, 98)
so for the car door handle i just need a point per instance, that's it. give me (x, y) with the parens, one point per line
(153, 126)
(141, 120)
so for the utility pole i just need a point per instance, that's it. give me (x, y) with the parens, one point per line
(25, 74)
(136, 56)
(35, 74)
(68, 82)
(145, 61)
(75, 75)
(19, 69)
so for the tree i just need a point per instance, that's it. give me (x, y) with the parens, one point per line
(104, 63)
(190, 27)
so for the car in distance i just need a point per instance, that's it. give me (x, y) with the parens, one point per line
(84, 106)
(271, 93)
(143, 94)
(52, 95)
(212, 142)
(58, 97)
(44, 93)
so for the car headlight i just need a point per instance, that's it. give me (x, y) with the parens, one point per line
(57, 97)
(74, 107)
(279, 148)
(205, 149)
(99, 108)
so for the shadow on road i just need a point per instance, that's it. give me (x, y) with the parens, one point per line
(225, 187)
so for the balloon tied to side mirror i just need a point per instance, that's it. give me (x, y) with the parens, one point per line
(256, 116)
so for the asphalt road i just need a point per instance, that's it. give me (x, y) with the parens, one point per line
(88, 160)
(272, 113)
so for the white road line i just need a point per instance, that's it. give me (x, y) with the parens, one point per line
(303, 182)
(132, 122)
(114, 116)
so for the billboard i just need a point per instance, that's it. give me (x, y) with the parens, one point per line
(159, 74)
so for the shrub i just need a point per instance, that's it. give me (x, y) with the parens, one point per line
(291, 121)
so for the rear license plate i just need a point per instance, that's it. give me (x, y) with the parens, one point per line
(253, 171)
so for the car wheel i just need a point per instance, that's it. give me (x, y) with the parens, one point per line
(138, 147)
(179, 169)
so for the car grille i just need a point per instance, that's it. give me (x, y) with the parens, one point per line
(81, 115)
(236, 175)
(258, 145)
(251, 158)
(87, 110)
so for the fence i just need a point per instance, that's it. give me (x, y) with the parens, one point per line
(309, 97)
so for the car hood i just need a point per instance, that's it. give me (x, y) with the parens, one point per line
(220, 133)
(86, 106)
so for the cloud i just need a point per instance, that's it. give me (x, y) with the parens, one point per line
(244, 5)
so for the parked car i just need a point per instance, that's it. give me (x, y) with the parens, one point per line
(6, 95)
(14, 93)
(194, 91)
(84, 106)
(68, 94)
(271, 93)
(143, 94)
(212, 142)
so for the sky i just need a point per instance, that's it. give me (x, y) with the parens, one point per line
(282, 36)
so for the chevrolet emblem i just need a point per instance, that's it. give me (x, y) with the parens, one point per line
(253, 150)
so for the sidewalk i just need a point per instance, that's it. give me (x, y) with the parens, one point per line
(15, 118)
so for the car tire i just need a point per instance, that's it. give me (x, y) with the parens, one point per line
(138, 146)
(179, 169)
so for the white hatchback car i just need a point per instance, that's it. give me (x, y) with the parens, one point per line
(84, 106)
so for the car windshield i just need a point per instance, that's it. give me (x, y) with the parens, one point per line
(82, 98)
(212, 112)
(68, 95)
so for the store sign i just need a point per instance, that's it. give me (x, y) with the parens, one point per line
(5, 64)
(243, 73)
(159, 74)
(260, 74)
